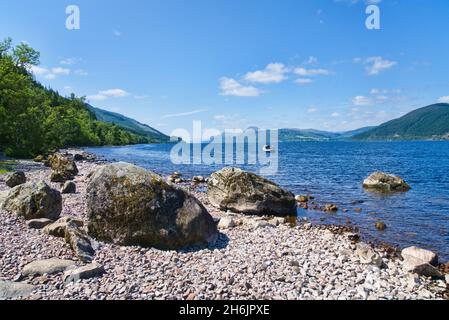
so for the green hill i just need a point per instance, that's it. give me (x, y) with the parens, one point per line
(36, 120)
(286, 135)
(428, 123)
(128, 124)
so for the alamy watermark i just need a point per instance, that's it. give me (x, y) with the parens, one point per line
(373, 20)
(231, 147)
(73, 20)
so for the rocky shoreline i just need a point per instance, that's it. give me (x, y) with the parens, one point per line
(253, 258)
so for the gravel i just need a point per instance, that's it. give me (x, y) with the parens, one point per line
(254, 258)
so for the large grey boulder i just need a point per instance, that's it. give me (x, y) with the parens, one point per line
(128, 205)
(34, 201)
(15, 179)
(240, 191)
(420, 261)
(385, 182)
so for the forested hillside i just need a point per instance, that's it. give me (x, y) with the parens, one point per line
(35, 120)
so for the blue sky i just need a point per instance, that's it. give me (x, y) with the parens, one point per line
(237, 63)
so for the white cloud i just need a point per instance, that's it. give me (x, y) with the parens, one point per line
(38, 71)
(312, 110)
(335, 115)
(231, 87)
(184, 114)
(303, 81)
(49, 74)
(376, 65)
(141, 97)
(117, 33)
(220, 117)
(81, 72)
(312, 60)
(61, 71)
(105, 94)
(273, 73)
(68, 61)
(444, 99)
(362, 101)
(311, 72)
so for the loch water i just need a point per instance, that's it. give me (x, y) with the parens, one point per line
(333, 172)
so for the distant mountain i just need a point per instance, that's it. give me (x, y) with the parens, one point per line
(128, 124)
(317, 135)
(428, 123)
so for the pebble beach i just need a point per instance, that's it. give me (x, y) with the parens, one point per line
(254, 258)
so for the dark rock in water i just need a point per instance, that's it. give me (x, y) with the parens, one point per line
(385, 182)
(63, 166)
(79, 242)
(15, 179)
(240, 191)
(381, 226)
(198, 179)
(34, 201)
(128, 205)
(302, 199)
(330, 208)
(11, 290)
(68, 187)
(83, 156)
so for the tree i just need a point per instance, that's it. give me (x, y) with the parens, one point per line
(35, 120)
(25, 56)
(5, 46)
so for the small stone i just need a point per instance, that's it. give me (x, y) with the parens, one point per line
(11, 290)
(58, 228)
(302, 199)
(261, 224)
(198, 179)
(367, 255)
(330, 208)
(49, 266)
(226, 223)
(79, 242)
(68, 187)
(191, 297)
(38, 223)
(15, 179)
(381, 226)
(92, 270)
